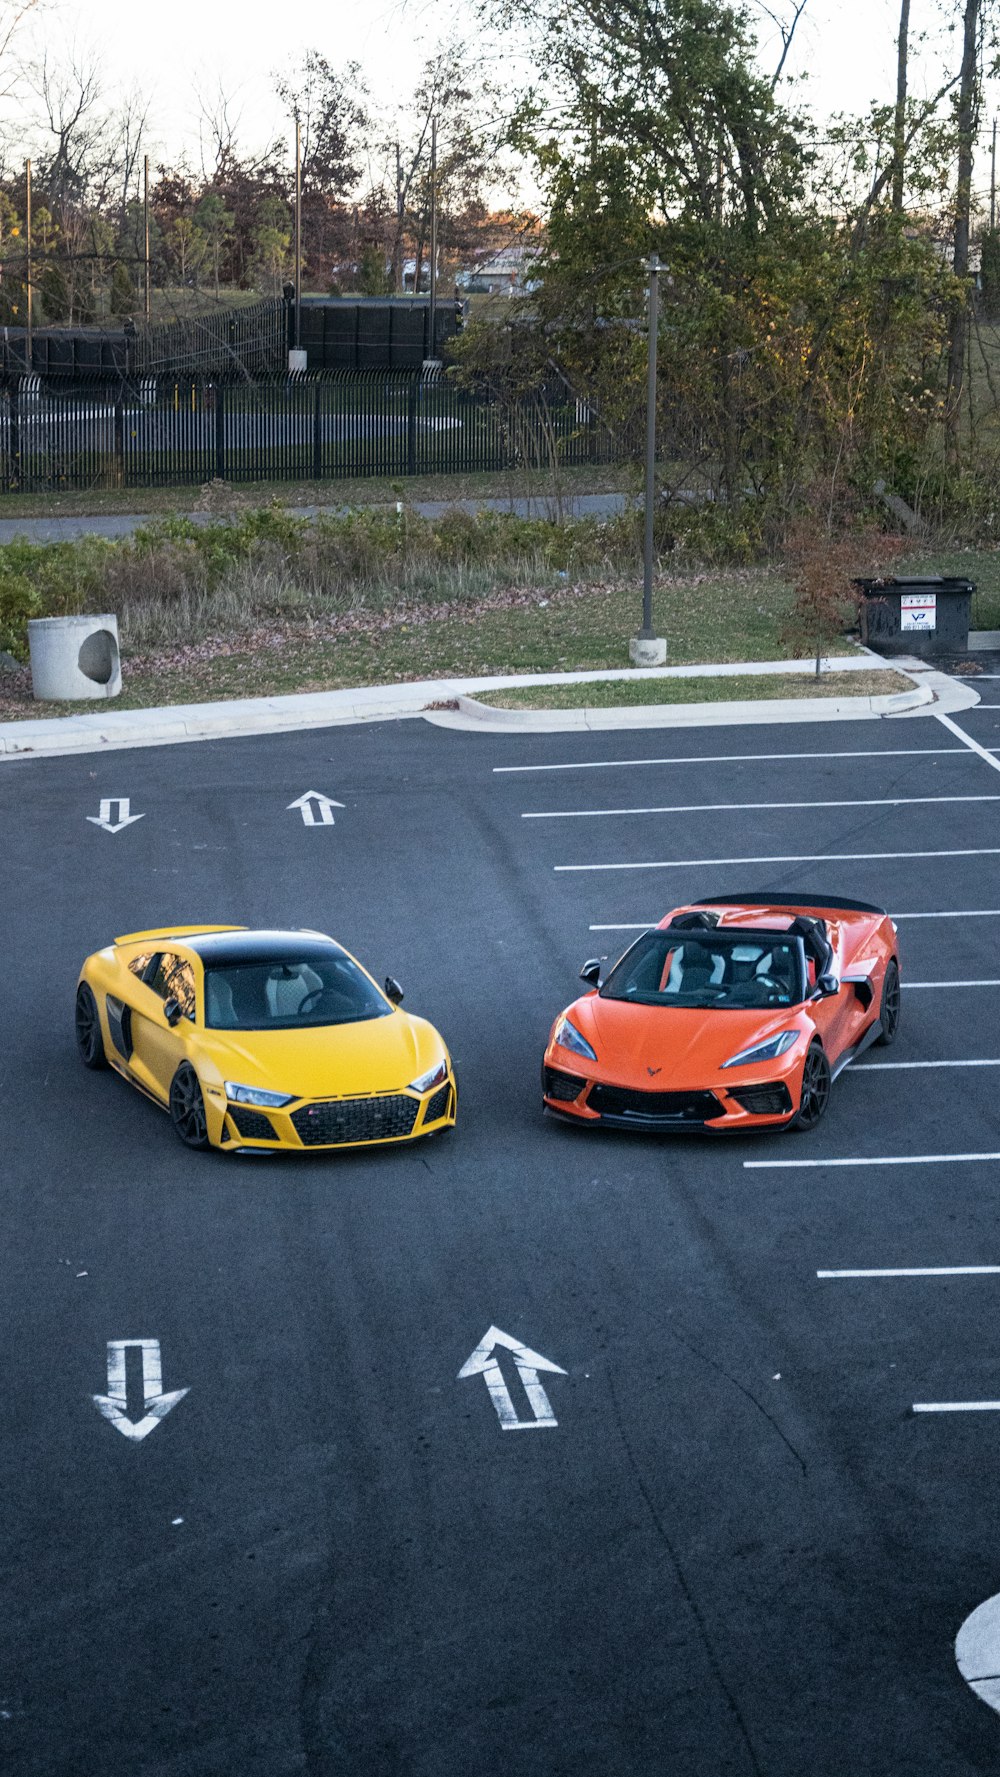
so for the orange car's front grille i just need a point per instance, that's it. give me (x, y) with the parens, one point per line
(677, 1107)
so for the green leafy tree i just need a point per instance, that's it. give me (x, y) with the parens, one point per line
(215, 223)
(122, 291)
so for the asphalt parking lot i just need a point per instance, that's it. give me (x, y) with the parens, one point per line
(734, 1546)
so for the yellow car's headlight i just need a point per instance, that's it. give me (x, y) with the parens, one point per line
(272, 1101)
(433, 1077)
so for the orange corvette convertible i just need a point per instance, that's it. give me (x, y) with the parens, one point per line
(733, 1013)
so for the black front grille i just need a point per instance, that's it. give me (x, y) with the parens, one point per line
(355, 1119)
(771, 1100)
(679, 1107)
(438, 1105)
(562, 1087)
(253, 1124)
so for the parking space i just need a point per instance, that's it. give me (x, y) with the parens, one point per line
(734, 1545)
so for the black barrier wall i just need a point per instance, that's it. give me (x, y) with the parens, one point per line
(167, 431)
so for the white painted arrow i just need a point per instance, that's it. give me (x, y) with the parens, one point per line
(320, 815)
(484, 1363)
(977, 1650)
(105, 820)
(155, 1405)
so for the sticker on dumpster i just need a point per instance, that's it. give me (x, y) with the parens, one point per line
(918, 610)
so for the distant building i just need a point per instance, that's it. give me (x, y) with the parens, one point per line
(505, 272)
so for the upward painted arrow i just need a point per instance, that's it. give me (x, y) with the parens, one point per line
(104, 819)
(317, 809)
(483, 1362)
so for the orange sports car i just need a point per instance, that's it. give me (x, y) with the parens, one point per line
(732, 1013)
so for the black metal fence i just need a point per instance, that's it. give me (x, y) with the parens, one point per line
(163, 432)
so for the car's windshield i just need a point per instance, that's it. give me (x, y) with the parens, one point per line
(290, 993)
(671, 968)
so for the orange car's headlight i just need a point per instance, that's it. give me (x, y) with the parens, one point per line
(768, 1051)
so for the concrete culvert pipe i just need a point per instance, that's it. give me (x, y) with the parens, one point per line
(74, 657)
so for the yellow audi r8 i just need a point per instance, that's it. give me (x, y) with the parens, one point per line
(263, 1040)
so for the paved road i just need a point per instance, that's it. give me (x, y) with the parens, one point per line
(739, 1551)
(60, 530)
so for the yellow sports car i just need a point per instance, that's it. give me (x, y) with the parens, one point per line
(263, 1040)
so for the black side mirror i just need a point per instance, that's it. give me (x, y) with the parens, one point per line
(172, 1011)
(827, 986)
(393, 991)
(591, 972)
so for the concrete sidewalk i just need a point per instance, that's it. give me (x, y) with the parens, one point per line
(64, 530)
(109, 729)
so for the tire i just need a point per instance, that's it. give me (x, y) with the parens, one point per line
(890, 1007)
(816, 1087)
(187, 1108)
(89, 1039)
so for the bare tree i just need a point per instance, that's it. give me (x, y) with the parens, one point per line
(13, 14)
(70, 94)
(218, 127)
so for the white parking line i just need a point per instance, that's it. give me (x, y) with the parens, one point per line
(727, 759)
(578, 814)
(871, 1067)
(956, 1406)
(817, 857)
(869, 1160)
(983, 752)
(920, 1271)
(950, 984)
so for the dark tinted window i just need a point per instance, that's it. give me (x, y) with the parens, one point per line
(173, 978)
(291, 993)
(671, 968)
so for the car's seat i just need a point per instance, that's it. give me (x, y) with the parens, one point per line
(220, 1013)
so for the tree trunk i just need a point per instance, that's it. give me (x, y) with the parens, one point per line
(899, 133)
(968, 108)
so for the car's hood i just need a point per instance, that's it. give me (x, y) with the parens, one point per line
(336, 1061)
(654, 1047)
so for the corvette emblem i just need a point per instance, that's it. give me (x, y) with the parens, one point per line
(653, 1070)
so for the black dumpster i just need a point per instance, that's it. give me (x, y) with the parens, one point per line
(918, 615)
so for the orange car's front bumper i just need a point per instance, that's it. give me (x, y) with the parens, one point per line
(766, 1096)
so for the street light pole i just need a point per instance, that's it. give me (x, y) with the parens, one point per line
(145, 239)
(647, 649)
(432, 304)
(298, 234)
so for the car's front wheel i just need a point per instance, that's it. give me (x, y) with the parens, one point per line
(889, 1014)
(816, 1086)
(187, 1108)
(89, 1039)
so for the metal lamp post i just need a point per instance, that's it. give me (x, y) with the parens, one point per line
(648, 649)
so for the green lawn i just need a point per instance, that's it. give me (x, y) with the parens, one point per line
(617, 693)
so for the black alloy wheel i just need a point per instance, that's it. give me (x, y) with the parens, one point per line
(187, 1108)
(89, 1040)
(889, 1015)
(816, 1086)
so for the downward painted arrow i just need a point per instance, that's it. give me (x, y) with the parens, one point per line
(114, 1404)
(484, 1363)
(125, 819)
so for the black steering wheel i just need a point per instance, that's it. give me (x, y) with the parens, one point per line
(317, 994)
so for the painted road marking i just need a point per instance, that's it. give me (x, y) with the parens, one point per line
(818, 857)
(110, 822)
(956, 1406)
(580, 814)
(729, 759)
(156, 1405)
(977, 1650)
(950, 984)
(871, 1160)
(316, 809)
(871, 1067)
(484, 1363)
(919, 1271)
(983, 752)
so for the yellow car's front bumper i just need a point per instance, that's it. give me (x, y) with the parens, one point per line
(308, 1125)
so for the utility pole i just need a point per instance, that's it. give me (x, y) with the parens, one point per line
(993, 179)
(27, 278)
(145, 238)
(966, 120)
(899, 127)
(432, 306)
(298, 234)
(647, 649)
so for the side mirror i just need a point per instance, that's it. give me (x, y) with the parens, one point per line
(393, 991)
(172, 1011)
(591, 972)
(827, 986)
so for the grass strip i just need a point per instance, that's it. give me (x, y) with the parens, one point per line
(728, 688)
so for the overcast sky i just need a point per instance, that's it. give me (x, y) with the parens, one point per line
(172, 49)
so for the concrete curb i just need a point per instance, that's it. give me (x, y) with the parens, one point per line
(110, 730)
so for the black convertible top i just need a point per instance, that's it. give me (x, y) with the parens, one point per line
(771, 898)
